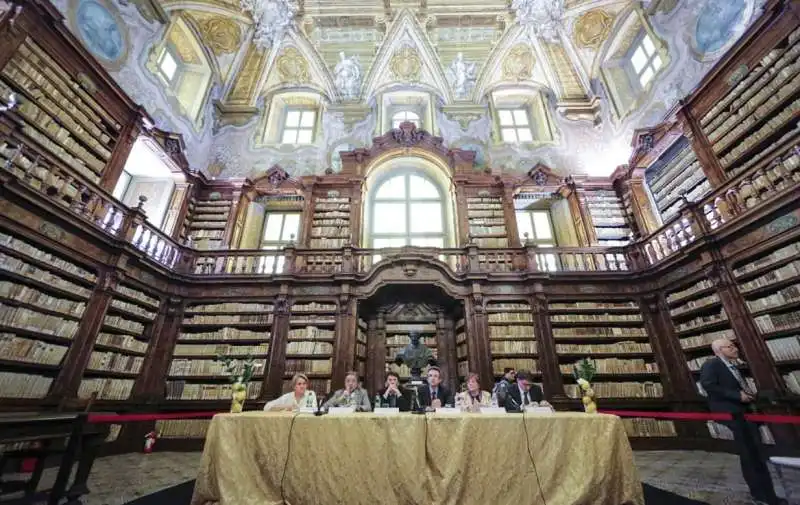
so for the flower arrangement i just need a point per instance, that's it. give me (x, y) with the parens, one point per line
(240, 373)
(584, 372)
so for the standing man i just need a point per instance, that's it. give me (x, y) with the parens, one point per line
(728, 392)
(509, 375)
(434, 395)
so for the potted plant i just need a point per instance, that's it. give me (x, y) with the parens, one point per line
(584, 372)
(240, 372)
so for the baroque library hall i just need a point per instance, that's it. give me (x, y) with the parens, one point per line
(507, 252)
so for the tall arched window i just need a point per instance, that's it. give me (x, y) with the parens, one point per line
(405, 116)
(407, 209)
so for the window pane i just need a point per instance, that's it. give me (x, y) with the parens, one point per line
(396, 123)
(168, 65)
(393, 189)
(509, 134)
(520, 117)
(648, 45)
(657, 62)
(506, 119)
(289, 136)
(524, 134)
(639, 60)
(379, 243)
(541, 223)
(293, 118)
(427, 241)
(291, 225)
(272, 231)
(426, 217)
(524, 225)
(420, 187)
(389, 218)
(304, 137)
(647, 75)
(307, 119)
(411, 116)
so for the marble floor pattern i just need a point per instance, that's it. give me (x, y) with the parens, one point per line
(710, 477)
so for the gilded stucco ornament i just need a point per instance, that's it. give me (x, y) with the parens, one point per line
(543, 18)
(518, 63)
(184, 46)
(593, 28)
(273, 18)
(222, 35)
(292, 67)
(405, 64)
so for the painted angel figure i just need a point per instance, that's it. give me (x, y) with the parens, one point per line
(348, 76)
(462, 76)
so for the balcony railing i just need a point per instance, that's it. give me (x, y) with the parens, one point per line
(731, 201)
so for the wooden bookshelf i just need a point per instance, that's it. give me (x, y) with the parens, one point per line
(236, 329)
(209, 218)
(57, 114)
(486, 220)
(330, 222)
(43, 297)
(675, 174)
(361, 348)
(309, 346)
(512, 337)
(759, 111)
(462, 349)
(607, 212)
(770, 285)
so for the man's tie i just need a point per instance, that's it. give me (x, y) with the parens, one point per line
(433, 394)
(526, 400)
(739, 378)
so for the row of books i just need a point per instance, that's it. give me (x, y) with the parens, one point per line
(220, 350)
(231, 307)
(404, 340)
(775, 256)
(701, 321)
(181, 390)
(706, 338)
(511, 332)
(311, 333)
(510, 317)
(113, 362)
(17, 266)
(617, 366)
(646, 427)
(598, 318)
(31, 296)
(137, 295)
(512, 347)
(695, 304)
(312, 320)
(106, 389)
(618, 347)
(132, 308)
(124, 324)
(226, 334)
(619, 390)
(181, 367)
(785, 349)
(530, 365)
(494, 306)
(792, 380)
(313, 307)
(309, 347)
(184, 428)
(312, 366)
(594, 305)
(598, 332)
(26, 319)
(785, 272)
(782, 297)
(25, 248)
(122, 342)
(774, 322)
(16, 348)
(21, 385)
(229, 319)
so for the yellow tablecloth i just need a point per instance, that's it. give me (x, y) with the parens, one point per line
(409, 459)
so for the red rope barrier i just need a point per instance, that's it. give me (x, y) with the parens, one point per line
(675, 416)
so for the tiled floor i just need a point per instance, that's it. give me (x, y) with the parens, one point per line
(710, 477)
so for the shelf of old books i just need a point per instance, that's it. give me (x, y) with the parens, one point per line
(677, 172)
(770, 285)
(119, 349)
(361, 348)
(57, 114)
(42, 299)
(462, 354)
(309, 346)
(235, 329)
(398, 337)
(760, 111)
(607, 212)
(512, 337)
(612, 335)
(208, 221)
(486, 218)
(182, 429)
(330, 222)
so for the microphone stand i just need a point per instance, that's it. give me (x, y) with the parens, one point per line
(320, 403)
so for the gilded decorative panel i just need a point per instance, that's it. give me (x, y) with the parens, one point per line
(592, 28)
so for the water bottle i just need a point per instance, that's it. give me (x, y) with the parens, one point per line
(377, 401)
(494, 399)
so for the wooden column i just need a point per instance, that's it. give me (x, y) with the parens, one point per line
(163, 337)
(579, 215)
(552, 382)
(376, 354)
(273, 379)
(119, 156)
(462, 223)
(180, 219)
(702, 148)
(510, 217)
(344, 351)
(478, 338)
(74, 363)
(13, 31)
(236, 200)
(356, 204)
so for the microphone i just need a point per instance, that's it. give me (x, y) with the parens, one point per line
(320, 403)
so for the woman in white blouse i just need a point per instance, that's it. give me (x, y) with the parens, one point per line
(300, 396)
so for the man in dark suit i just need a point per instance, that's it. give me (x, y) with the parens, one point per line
(728, 392)
(521, 394)
(391, 396)
(433, 395)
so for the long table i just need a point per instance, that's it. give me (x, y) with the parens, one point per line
(259, 458)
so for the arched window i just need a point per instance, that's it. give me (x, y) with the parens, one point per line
(407, 209)
(405, 116)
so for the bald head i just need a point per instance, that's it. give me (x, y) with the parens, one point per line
(725, 348)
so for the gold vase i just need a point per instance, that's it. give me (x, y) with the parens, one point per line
(238, 397)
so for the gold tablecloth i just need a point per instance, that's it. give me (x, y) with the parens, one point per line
(407, 459)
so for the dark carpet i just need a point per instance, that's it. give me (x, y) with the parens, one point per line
(182, 495)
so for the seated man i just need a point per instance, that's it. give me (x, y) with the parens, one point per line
(433, 395)
(391, 396)
(509, 375)
(522, 394)
(352, 395)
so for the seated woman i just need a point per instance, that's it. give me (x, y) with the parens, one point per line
(300, 396)
(473, 398)
(351, 396)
